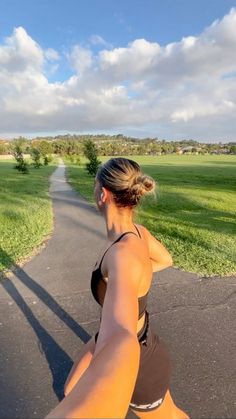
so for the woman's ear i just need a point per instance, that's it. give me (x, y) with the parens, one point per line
(105, 195)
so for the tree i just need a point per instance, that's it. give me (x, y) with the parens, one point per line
(36, 157)
(45, 148)
(233, 149)
(90, 151)
(45, 160)
(22, 165)
(22, 142)
(3, 147)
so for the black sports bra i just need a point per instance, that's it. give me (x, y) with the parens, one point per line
(98, 285)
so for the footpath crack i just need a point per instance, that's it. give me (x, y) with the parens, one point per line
(201, 307)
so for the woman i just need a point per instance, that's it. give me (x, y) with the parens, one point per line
(125, 364)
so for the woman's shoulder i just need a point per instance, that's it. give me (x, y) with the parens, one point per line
(143, 231)
(147, 236)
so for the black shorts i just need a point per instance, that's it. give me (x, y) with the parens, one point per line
(153, 377)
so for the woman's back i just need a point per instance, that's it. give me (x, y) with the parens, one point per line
(137, 244)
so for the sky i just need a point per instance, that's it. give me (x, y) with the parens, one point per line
(144, 68)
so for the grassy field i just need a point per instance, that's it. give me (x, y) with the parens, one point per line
(194, 215)
(25, 211)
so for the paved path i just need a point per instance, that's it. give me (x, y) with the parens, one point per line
(47, 313)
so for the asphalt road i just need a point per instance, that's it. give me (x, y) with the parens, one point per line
(47, 312)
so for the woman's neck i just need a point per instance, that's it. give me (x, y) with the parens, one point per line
(117, 222)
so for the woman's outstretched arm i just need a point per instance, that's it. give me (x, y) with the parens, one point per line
(105, 389)
(81, 363)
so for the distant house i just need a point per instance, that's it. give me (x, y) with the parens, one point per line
(224, 151)
(190, 149)
(187, 149)
(221, 151)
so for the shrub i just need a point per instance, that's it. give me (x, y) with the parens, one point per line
(22, 165)
(78, 161)
(45, 160)
(50, 158)
(90, 151)
(92, 166)
(36, 157)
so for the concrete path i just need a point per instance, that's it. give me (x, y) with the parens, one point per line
(47, 312)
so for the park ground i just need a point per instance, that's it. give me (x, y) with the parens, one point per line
(47, 313)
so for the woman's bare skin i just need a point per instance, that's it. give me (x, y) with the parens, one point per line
(93, 387)
(149, 245)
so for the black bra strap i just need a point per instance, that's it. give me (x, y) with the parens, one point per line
(117, 240)
(137, 231)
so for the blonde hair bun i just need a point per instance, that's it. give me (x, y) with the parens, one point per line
(144, 184)
(123, 177)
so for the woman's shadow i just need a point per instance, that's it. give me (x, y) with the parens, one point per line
(58, 361)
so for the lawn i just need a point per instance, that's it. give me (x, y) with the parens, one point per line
(25, 211)
(194, 214)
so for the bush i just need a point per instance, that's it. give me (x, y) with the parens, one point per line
(36, 157)
(50, 158)
(71, 158)
(45, 160)
(233, 149)
(92, 166)
(78, 161)
(22, 165)
(74, 159)
(90, 151)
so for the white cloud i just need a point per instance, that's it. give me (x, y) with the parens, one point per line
(183, 89)
(98, 40)
(131, 62)
(80, 59)
(51, 55)
(20, 52)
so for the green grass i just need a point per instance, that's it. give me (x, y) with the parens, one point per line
(25, 211)
(194, 215)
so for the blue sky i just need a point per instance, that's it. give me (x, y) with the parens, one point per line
(96, 62)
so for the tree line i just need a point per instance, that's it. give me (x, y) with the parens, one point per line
(113, 145)
(41, 154)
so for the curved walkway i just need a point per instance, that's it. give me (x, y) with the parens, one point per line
(47, 313)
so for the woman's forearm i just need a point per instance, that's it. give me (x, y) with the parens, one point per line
(106, 387)
(77, 371)
(81, 363)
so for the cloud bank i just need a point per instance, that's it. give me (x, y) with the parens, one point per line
(181, 90)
